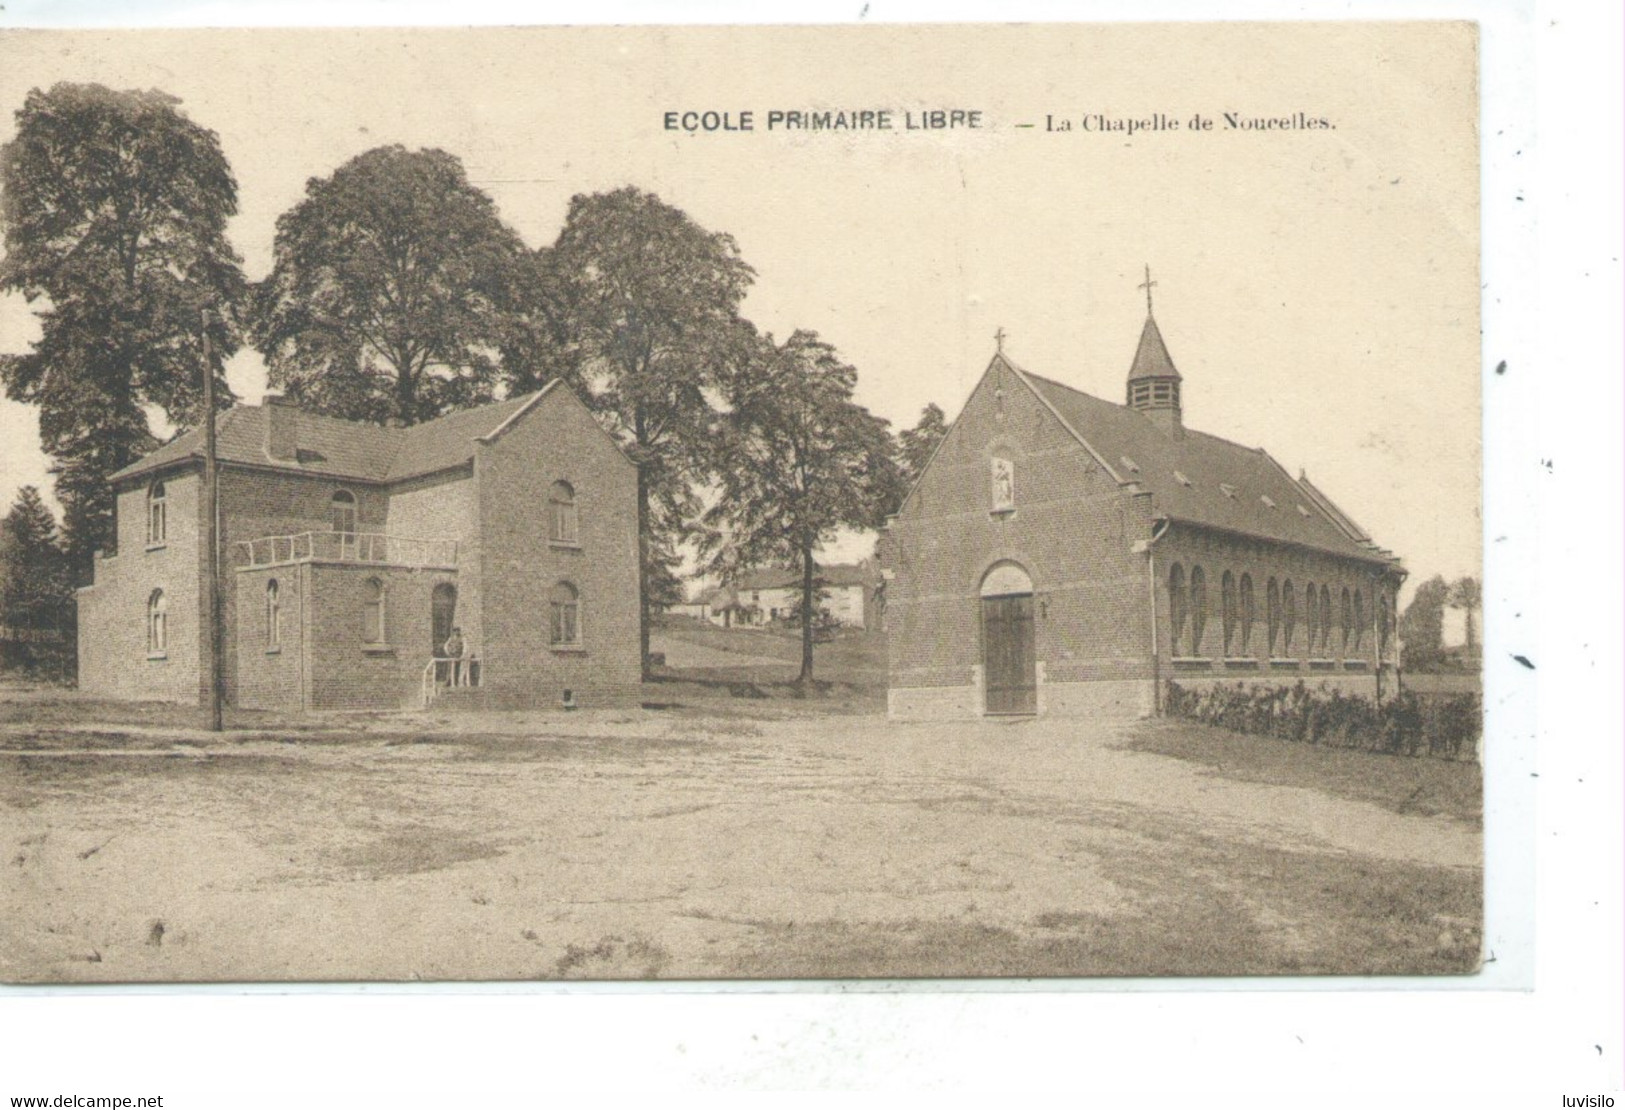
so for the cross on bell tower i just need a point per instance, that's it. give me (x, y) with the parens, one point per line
(998, 339)
(1146, 285)
(1153, 383)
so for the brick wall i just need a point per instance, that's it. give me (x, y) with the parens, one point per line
(343, 670)
(113, 657)
(518, 566)
(259, 503)
(270, 674)
(1072, 531)
(1347, 665)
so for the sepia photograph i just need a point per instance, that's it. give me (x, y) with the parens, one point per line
(722, 503)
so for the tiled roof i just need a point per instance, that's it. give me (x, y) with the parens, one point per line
(1202, 479)
(1151, 358)
(449, 441)
(341, 448)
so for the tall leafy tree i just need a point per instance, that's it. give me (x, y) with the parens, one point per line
(115, 207)
(637, 306)
(800, 460)
(919, 443)
(1467, 595)
(36, 590)
(392, 290)
(1421, 626)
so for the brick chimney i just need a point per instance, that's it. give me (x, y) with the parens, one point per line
(281, 427)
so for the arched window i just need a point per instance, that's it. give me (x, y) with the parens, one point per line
(273, 615)
(564, 605)
(1289, 617)
(1227, 609)
(1345, 611)
(157, 514)
(1359, 619)
(1177, 605)
(1325, 618)
(157, 623)
(1249, 613)
(342, 512)
(372, 612)
(561, 527)
(1198, 608)
(1272, 612)
(1311, 618)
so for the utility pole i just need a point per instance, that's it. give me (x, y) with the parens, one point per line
(211, 545)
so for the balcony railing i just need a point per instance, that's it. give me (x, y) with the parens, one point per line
(371, 548)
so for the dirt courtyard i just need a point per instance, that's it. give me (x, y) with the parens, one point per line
(696, 844)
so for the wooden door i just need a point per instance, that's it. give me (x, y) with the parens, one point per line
(1009, 657)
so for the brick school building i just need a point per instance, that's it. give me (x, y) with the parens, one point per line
(489, 557)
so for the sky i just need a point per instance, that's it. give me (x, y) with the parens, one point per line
(1317, 286)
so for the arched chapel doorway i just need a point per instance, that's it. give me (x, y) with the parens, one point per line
(1009, 653)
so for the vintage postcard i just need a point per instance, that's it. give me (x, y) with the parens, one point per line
(722, 503)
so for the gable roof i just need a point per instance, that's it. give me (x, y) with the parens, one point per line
(347, 449)
(1200, 479)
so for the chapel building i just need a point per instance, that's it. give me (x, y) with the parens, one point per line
(1063, 554)
(489, 557)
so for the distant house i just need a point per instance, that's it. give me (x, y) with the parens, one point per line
(350, 553)
(846, 596)
(1065, 554)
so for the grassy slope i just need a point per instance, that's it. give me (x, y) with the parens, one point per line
(1402, 784)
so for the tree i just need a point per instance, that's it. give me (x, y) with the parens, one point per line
(1421, 628)
(393, 284)
(1468, 596)
(639, 306)
(36, 590)
(916, 445)
(115, 208)
(800, 459)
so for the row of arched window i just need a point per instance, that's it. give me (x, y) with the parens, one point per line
(1240, 626)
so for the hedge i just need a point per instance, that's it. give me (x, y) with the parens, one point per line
(1445, 727)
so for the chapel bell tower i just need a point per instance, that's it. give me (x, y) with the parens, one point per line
(1153, 383)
